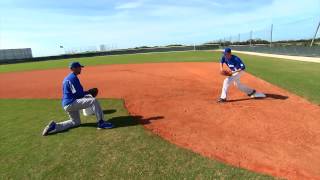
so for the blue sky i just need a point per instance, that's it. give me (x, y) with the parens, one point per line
(43, 25)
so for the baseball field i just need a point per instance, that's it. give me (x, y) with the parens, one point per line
(168, 124)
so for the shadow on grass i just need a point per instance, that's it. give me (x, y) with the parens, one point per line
(120, 121)
(125, 121)
(269, 96)
(109, 111)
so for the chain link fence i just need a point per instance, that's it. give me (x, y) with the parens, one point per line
(297, 38)
(299, 32)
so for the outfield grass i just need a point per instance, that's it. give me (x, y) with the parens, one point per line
(126, 152)
(301, 78)
(188, 56)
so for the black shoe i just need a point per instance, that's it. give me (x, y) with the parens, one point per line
(253, 92)
(49, 128)
(221, 100)
(105, 125)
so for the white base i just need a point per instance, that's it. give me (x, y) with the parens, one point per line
(88, 112)
(258, 95)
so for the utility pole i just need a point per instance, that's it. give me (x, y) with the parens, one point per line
(63, 49)
(239, 38)
(315, 35)
(0, 32)
(271, 33)
(250, 38)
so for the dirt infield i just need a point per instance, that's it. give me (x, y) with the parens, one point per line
(278, 135)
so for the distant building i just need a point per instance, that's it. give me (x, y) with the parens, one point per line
(15, 54)
(103, 47)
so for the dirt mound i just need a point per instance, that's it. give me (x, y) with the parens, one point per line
(278, 135)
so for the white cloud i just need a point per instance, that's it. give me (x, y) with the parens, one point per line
(129, 5)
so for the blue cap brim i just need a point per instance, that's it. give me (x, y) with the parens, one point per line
(77, 66)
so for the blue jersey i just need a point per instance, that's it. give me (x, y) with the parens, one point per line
(234, 63)
(72, 89)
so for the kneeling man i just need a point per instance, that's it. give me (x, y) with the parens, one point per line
(75, 99)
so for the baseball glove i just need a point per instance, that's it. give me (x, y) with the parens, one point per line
(94, 92)
(226, 73)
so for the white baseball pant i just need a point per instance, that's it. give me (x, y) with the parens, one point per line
(73, 111)
(235, 78)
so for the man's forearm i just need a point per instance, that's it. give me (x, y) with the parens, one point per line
(86, 92)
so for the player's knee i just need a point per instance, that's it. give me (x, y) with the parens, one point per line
(76, 123)
(96, 101)
(228, 81)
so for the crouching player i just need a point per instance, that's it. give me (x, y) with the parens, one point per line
(75, 99)
(237, 68)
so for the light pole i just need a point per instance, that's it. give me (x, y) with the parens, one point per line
(250, 38)
(0, 31)
(62, 47)
(315, 35)
(271, 33)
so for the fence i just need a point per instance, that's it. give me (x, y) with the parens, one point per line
(12, 54)
(299, 32)
(297, 38)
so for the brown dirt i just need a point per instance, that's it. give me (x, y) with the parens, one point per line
(277, 135)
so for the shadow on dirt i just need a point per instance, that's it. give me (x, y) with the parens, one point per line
(277, 96)
(269, 96)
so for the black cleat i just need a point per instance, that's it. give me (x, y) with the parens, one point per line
(253, 92)
(222, 100)
(49, 128)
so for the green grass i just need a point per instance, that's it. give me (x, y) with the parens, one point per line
(188, 56)
(126, 152)
(301, 78)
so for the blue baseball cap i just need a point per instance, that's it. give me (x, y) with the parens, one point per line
(227, 50)
(75, 65)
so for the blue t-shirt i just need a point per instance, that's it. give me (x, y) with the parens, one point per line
(234, 63)
(72, 89)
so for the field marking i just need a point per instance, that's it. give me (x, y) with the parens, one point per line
(295, 58)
